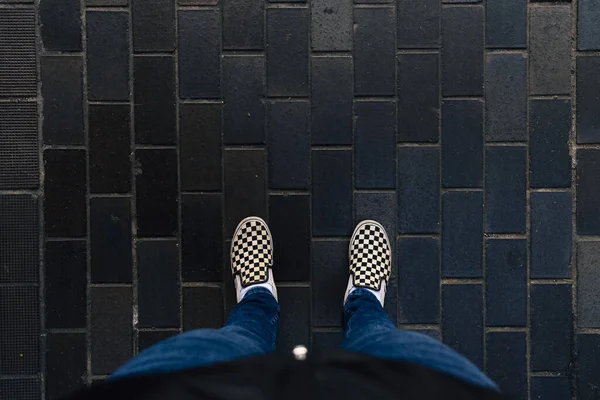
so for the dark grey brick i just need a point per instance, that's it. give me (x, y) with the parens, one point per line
(588, 192)
(66, 363)
(433, 333)
(62, 90)
(551, 327)
(331, 192)
(418, 24)
(551, 235)
(588, 32)
(588, 284)
(588, 101)
(243, 92)
(550, 50)
(549, 156)
(287, 52)
(153, 25)
(506, 362)
(506, 282)
(149, 338)
(462, 231)
(375, 145)
(462, 51)
(331, 100)
(418, 97)
(331, 25)
(243, 25)
(462, 143)
(588, 363)
(329, 281)
(18, 69)
(60, 24)
(288, 144)
(22, 388)
(506, 24)
(506, 97)
(199, 54)
(294, 325)
(505, 187)
(374, 51)
(462, 320)
(107, 55)
(548, 387)
(418, 189)
(328, 339)
(202, 308)
(419, 280)
(19, 145)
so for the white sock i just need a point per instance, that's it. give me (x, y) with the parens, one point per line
(379, 294)
(245, 290)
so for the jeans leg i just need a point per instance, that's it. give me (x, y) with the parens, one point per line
(251, 329)
(369, 330)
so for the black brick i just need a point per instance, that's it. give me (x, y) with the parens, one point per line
(243, 93)
(18, 70)
(332, 192)
(434, 333)
(588, 32)
(505, 189)
(107, 55)
(462, 51)
(507, 362)
(147, 339)
(331, 25)
(506, 24)
(22, 388)
(153, 25)
(588, 282)
(506, 282)
(199, 54)
(64, 193)
(294, 325)
(288, 147)
(418, 190)
(374, 51)
(66, 363)
(375, 145)
(548, 387)
(549, 130)
(418, 24)
(19, 145)
(331, 100)
(243, 24)
(329, 281)
(154, 100)
(588, 101)
(462, 230)
(110, 148)
(327, 339)
(588, 191)
(462, 143)
(60, 22)
(202, 308)
(287, 52)
(588, 363)
(156, 192)
(110, 239)
(62, 90)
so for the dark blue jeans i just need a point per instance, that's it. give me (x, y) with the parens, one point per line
(252, 329)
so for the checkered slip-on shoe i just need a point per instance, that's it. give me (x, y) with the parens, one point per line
(252, 256)
(370, 259)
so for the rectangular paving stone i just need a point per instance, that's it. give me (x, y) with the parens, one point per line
(65, 212)
(19, 145)
(588, 30)
(462, 51)
(329, 280)
(288, 147)
(418, 24)
(109, 148)
(331, 100)
(506, 282)
(588, 284)
(419, 280)
(18, 70)
(331, 25)
(462, 320)
(587, 364)
(243, 93)
(66, 363)
(506, 362)
(375, 145)
(154, 100)
(294, 323)
(201, 237)
(506, 24)
(462, 143)
(418, 97)
(287, 51)
(199, 50)
(111, 328)
(331, 192)
(110, 240)
(505, 181)
(588, 102)
(156, 192)
(23, 388)
(289, 218)
(60, 25)
(374, 52)
(418, 189)
(108, 54)
(551, 235)
(327, 339)
(551, 327)
(65, 280)
(62, 90)
(550, 50)
(588, 192)
(506, 97)
(549, 153)
(243, 25)
(150, 338)
(153, 25)
(202, 308)
(158, 283)
(547, 387)
(462, 231)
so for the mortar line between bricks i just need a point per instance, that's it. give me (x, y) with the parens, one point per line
(63, 147)
(303, 284)
(527, 212)
(334, 147)
(549, 97)
(86, 8)
(287, 192)
(110, 285)
(585, 53)
(183, 7)
(462, 281)
(465, 97)
(23, 376)
(550, 190)
(417, 144)
(242, 148)
(156, 239)
(330, 53)
(507, 144)
(18, 99)
(286, 6)
(511, 236)
(14, 285)
(551, 281)
(155, 147)
(375, 191)
(418, 236)
(66, 239)
(586, 238)
(490, 329)
(461, 189)
(225, 255)
(589, 331)
(216, 285)
(464, 5)
(376, 5)
(413, 327)
(66, 330)
(98, 377)
(109, 195)
(287, 99)
(310, 177)
(18, 7)
(374, 98)
(484, 186)
(108, 102)
(193, 101)
(440, 99)
(21, 191)
(587, 146)
(242, 53)
(417, 51)
(157, 54)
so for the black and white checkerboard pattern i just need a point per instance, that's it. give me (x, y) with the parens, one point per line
(370, 256)
(252, 252)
